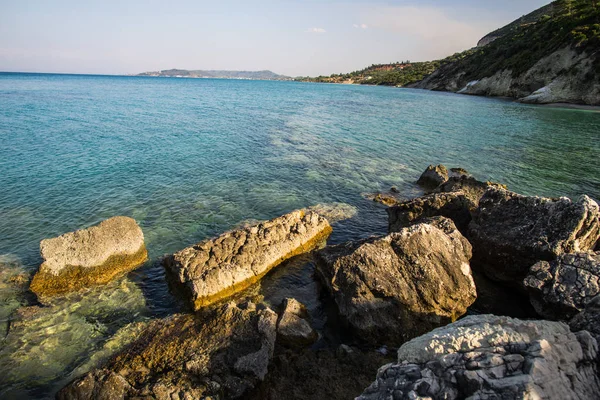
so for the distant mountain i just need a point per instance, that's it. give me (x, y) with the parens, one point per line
(184, 73)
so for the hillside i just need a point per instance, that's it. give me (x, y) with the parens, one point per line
(184, 73)
(530, 18)
(550, 55)
(395, 74)
(556, 59)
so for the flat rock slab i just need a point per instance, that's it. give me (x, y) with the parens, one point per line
(223, 352)
(561, 288)
(91, 256)
(511, 232)
(490, 357)
(216, 268)
(393, 288)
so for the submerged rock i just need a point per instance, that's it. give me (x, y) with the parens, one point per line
(433, 176)
(450, 205)
(13, 284)
(490, 357)
(216, 268)
(223, 353)
(334, 212)
(91, 256)
(293, 327)
(561, 288)
(393, 288)
(43, 341)
(510, 232)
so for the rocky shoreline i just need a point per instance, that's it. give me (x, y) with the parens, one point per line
(412, 289)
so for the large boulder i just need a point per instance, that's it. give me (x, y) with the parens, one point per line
(433, 176)
(393, 288)
(455, 206)
(223, 352)
(293, 328)
(511, 232)
(490, 357)
(87, 257)
(216, 268)
(561, 288)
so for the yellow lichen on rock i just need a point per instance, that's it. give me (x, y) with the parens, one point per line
(87, 257)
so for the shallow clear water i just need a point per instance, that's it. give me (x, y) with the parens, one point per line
(190, 158)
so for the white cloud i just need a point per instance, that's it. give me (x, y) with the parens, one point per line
(316, 30)
(361, 26)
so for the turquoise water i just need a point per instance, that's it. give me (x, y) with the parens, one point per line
(190, 158)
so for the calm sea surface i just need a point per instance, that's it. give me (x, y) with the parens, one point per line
(191, 158)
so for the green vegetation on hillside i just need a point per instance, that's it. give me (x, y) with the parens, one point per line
(530, 18)
(397, 74)
(574, 23)
(520, 46)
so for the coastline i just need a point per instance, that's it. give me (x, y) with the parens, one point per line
(563, 105)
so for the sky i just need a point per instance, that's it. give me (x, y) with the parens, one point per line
(290, 37)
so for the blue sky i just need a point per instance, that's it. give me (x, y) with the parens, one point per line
(291, 37)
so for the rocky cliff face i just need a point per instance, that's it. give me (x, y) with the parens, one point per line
(565, 76)
(551, 57)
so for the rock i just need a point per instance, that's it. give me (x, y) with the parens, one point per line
(458, 172)
(100, 385)
(450, 205)
(387, 199)
(216, 268)
(490, 357)
(393, 288)
(222, 352)
(433, 176)
(470, 187)
(89, 256)
(456, 198)
(293, 328)
(561, 288)
(510, 232)
(588, 319)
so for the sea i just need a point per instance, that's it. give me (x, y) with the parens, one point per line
(192, 158)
